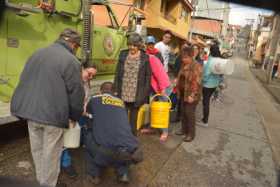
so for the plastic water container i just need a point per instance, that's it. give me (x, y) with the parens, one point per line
(222, 66)
(143, 116)
(72, 136)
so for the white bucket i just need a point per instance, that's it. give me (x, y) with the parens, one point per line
(222, 66)
(72, 135)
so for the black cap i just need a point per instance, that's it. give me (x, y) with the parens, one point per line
(71, 35)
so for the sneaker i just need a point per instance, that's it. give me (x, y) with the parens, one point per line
(94, 179)
(202, 124)
(70, 171)
(123, 179)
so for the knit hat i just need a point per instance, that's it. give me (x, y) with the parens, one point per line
(71, 35)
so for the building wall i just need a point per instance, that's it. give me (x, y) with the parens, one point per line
(156, 22)
(277, 58)
(201, 9)
(274, 47)
(176, 21)
(207, 27)
(274, 35)
(263, 37)
(156, 19)
(121, 12)
(101, 14)
(214, 10)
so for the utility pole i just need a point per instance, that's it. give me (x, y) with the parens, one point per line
(273, 45)
(194, 4)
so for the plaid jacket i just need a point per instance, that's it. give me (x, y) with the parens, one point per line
(190, 81)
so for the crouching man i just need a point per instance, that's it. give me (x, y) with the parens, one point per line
(109, 140)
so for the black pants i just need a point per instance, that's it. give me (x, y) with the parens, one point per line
(179, 108)
(188, 118)
(274, 71)
(207, 93)
(133, 114)
(97, 161)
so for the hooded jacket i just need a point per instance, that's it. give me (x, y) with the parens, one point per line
(160, 80)
(157, 53)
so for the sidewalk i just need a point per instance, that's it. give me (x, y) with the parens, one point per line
(273, 88)
(235, 149)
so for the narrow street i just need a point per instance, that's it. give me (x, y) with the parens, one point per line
(233, 151)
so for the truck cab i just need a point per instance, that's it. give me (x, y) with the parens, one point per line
(28, 25)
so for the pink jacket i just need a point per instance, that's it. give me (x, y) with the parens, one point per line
(160, 80)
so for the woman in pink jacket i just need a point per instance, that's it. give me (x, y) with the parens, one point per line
(159, 81)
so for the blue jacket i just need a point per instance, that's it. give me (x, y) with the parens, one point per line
(210, 80)
(110, 125)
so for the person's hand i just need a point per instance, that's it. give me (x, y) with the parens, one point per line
(71, 123)
(190, 99)
(93, 72)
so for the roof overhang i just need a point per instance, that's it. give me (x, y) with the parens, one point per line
(173, 32)
(199, 17)
(199, 42)
(207, 34)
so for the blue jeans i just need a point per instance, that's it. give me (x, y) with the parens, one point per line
(65, 159)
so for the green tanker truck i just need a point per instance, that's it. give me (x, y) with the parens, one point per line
(27, 25)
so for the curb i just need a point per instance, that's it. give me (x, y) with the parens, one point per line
(275, 97)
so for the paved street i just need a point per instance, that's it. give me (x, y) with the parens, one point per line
(233, 151)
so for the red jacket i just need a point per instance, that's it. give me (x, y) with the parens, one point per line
(155, 52)
(160, 80)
